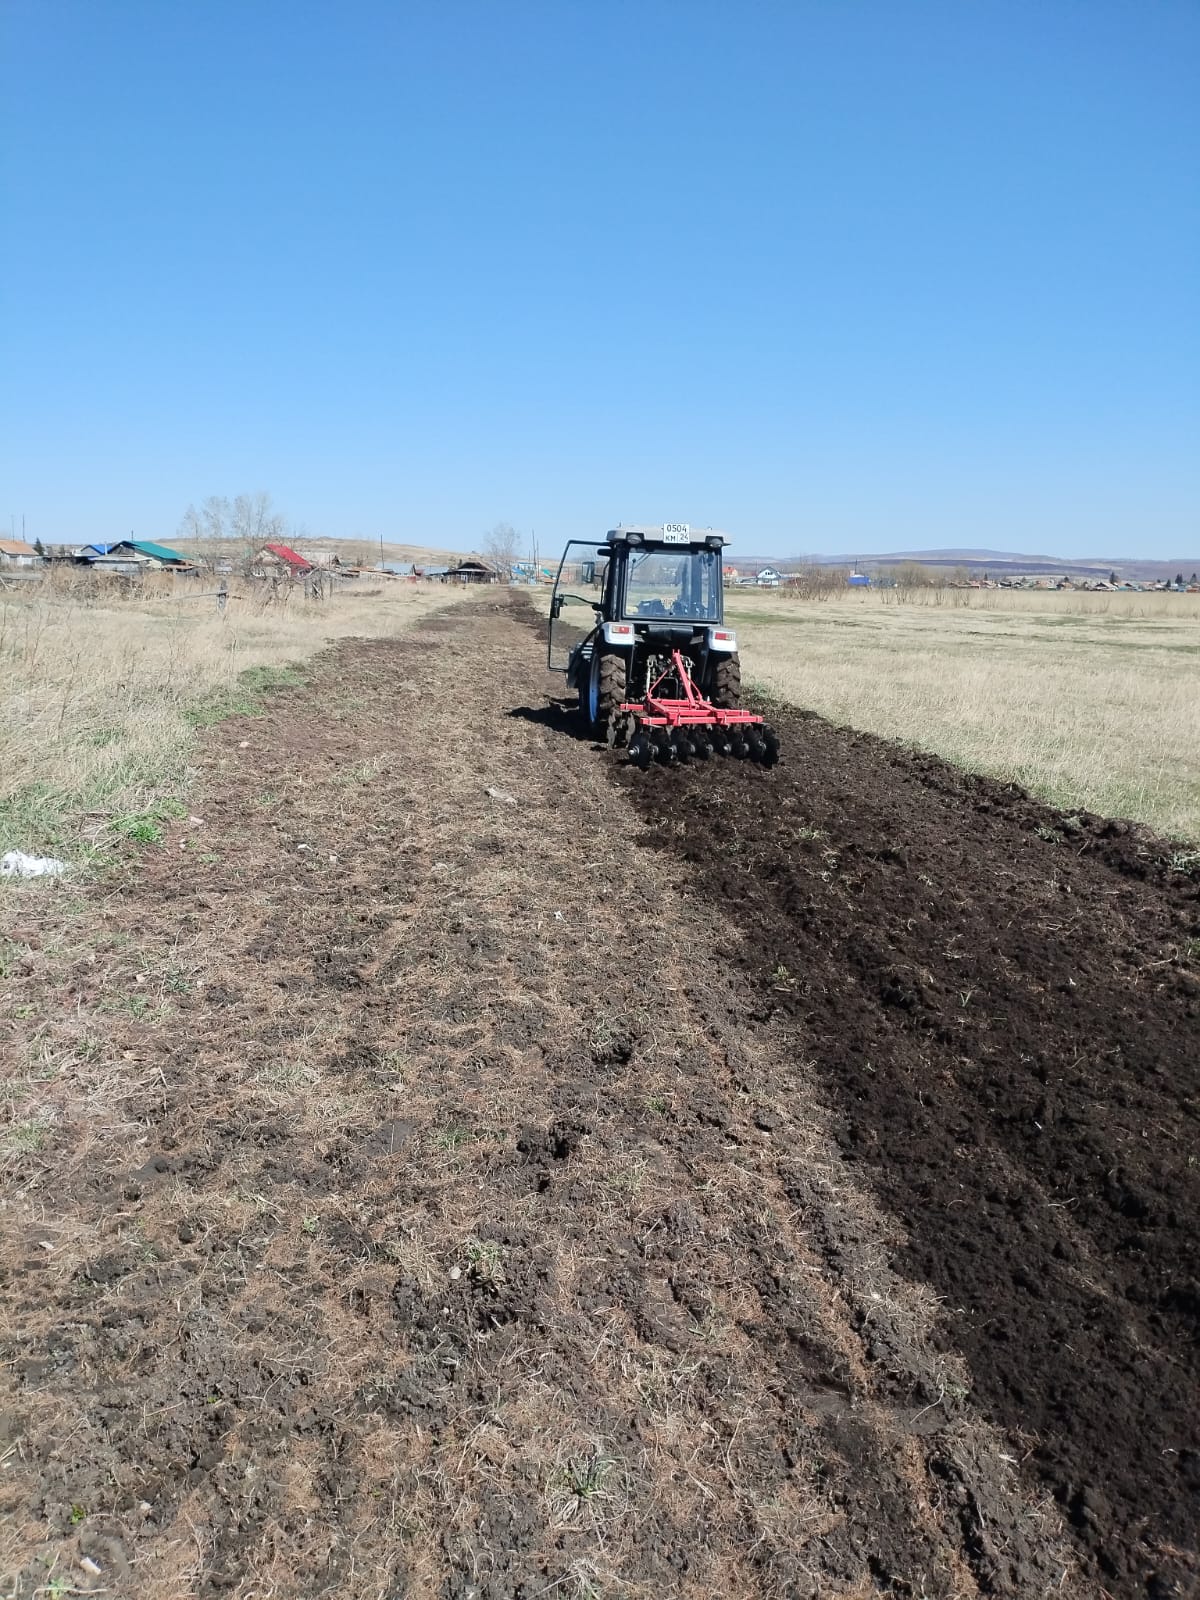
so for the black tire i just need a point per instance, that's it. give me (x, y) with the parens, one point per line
(725, 681)
(602, 692)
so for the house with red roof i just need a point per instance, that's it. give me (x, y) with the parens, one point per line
(280, 560)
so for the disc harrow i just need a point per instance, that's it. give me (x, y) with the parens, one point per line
(676, 724)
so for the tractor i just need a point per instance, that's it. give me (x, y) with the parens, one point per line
(654, 666)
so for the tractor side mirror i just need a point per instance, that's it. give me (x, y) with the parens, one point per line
(556, 607)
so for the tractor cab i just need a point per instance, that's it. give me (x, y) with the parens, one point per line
(647, 577)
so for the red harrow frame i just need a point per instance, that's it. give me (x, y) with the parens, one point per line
(681, 724)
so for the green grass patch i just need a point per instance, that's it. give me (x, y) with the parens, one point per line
(146, 827)
(28, 1137)
(246, 697)
(33, 819)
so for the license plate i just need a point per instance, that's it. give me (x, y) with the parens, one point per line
(677, 533)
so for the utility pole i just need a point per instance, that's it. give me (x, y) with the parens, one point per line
(381, 550)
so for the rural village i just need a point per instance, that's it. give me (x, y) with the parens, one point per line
(137, 558)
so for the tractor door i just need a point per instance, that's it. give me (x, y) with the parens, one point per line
(578, 589)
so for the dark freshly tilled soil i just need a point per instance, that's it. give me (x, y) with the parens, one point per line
(1004, 1004)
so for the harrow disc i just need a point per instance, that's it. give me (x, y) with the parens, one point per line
(641, 751)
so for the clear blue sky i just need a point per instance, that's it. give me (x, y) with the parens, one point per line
(855, 276)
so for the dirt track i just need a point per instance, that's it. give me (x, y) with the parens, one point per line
(705, 1182)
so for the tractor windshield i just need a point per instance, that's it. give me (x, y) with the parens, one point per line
(673, 583)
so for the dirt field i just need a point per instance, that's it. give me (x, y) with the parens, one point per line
(706, 1182)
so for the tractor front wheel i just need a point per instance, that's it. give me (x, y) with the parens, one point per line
(725, 681)
(603, 691)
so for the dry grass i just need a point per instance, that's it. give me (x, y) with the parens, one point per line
(1088, 700)
(101, 694)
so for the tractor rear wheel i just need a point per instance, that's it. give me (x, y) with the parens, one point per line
(603, 692)
(725, 681)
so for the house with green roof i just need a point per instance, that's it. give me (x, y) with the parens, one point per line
(132, 556)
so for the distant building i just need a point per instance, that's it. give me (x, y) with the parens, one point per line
(132, 557)
(859, 580)
(768, 578)
(472, 571)
(16, 553)
(279, 561)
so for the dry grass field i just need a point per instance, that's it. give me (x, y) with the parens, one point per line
(101, 694)
(1087, 700)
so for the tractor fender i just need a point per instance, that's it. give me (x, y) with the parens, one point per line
(618, 635)
(721, 640)
(579, 660)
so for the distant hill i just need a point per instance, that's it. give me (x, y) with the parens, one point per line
(999, 563)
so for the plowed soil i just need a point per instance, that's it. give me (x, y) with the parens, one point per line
(454, 1165)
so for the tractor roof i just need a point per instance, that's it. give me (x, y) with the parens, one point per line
(656, 533)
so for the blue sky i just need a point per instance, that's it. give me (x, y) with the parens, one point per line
(850, 276)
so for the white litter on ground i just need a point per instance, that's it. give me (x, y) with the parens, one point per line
(16, 864)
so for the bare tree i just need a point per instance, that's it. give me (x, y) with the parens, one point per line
(255, 521)
(215, 516)
(191, 525)
(501, 549)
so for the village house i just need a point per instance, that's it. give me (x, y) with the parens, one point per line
(279, 561)
(16, 553)
(133, 558)
(472, 571)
